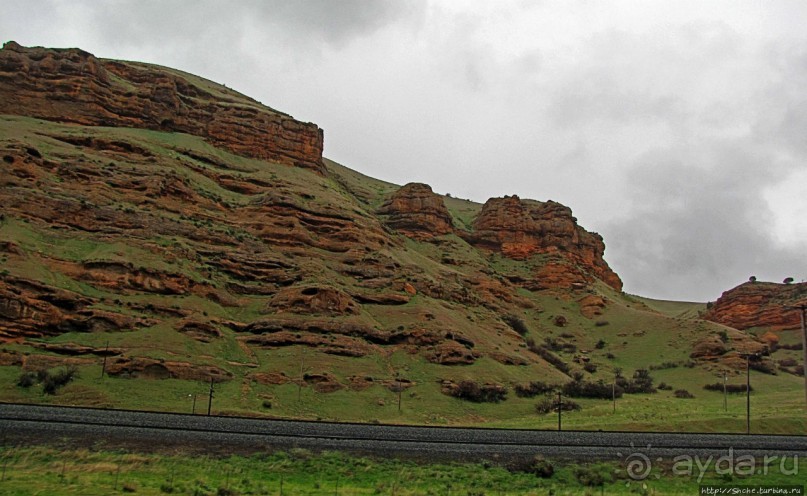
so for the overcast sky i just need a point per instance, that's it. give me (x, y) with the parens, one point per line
(677, 130)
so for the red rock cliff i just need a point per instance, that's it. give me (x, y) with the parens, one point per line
(71, 85)
(415, 211)
(521, 228)
(759, 304)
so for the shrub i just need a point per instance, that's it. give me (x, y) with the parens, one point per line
(590, 476)
(641, 382)
(596, 390)
(663, 386)
(590, 367)
(26, 380)
(532, 389)
(664, 366)
(542, 467)
(610, 356)
(601, 323)
(60, 378)
(547, 355)
(550, 404)
(552, 344)
(600, 344)
(788, 362)
(485, 393)
(796, 346)
(764, 366)
(730, 388)
(683, 393)
(516, 324)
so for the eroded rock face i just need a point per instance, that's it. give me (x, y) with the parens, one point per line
(71, 85)
(519, 229)
(592, 305)
(315, 300)
(759, 304)
(417, 212)
(151, 368)
(727, 350)
(32, 309)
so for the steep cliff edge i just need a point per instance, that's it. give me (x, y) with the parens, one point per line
(71, 85)
(416, 211)
(759, 304)
(519, 229)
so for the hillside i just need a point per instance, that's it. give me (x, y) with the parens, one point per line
(161, 233)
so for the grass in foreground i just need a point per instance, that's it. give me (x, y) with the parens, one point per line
(46, 470)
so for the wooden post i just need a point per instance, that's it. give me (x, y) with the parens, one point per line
(560, 409)
(803, 309)
(613, 393)
(103, 366)
(725, 393)
(210, 398)
(748, 394)
(399, 392)
(300, 384)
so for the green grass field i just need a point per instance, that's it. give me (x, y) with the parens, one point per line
(47, 470)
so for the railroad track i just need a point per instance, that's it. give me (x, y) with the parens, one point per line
(22, 424)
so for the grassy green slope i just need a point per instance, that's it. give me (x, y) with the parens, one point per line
(634, 332)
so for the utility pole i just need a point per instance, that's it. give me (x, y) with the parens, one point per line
(725, 393)
(103, 366)
(210, 399)
(803, 311)
(613, 393)
(300, 383)
(399, 391)
(748, 394)
(802, 308)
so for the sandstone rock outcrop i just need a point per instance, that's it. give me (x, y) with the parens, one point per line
(759, 304)
(417, 212)
(32, 309)
(161, 369)
(316, 300)
(519, 229)
(71, 85)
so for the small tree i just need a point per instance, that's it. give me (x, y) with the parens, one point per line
(752, 279)
(788, 280)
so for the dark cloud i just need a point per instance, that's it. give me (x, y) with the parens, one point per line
(312, 21)
(699, 223)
